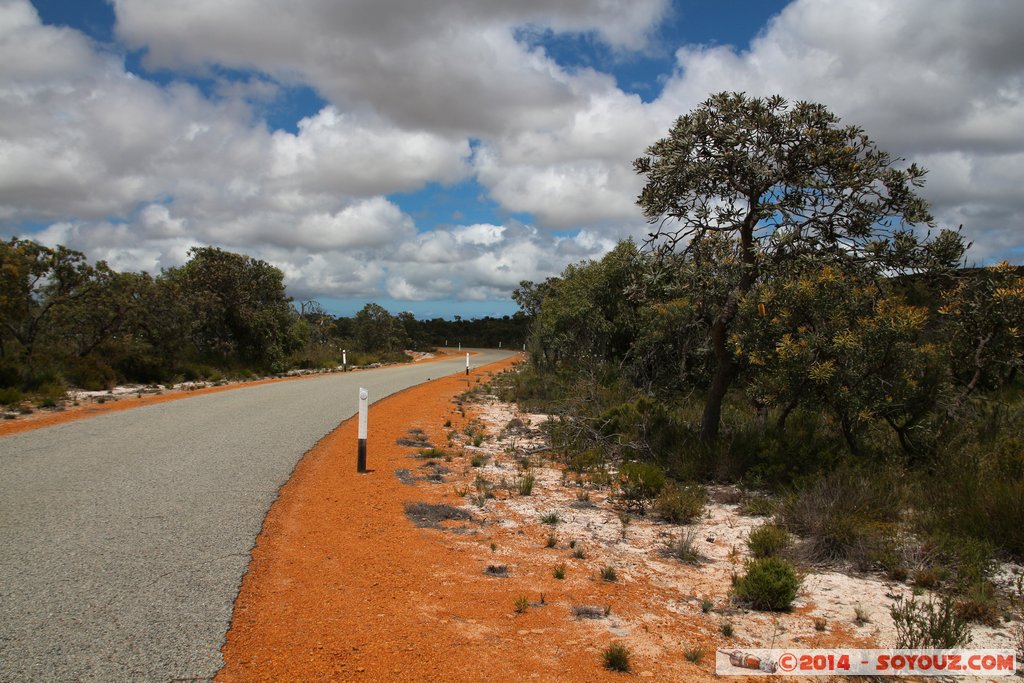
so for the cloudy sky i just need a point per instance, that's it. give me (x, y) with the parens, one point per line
(430, 154)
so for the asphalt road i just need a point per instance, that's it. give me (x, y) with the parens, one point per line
(124, 537)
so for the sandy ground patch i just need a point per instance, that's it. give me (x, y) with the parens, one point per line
(436, 567)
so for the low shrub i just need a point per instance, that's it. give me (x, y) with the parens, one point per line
(929, 625)
(770, 584)
(680, 504)
(845, 515)
(10, 396)
(768, 540)
(640, 482)
(525, 484)
(758, 505)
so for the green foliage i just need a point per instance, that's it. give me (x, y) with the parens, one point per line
(774, 183)
(757, 505)
(237, 306)
(981, 316)
(934, 624)
(10, 396)
(768, 540)
(680, 503)
(584, 313)
(639, 482)
(770, 584)
(975, 488)
(832, 339)
(378, 330)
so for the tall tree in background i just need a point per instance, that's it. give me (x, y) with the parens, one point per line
(37, 283)
(237, 305)
(785, 184)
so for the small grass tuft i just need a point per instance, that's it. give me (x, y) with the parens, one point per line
(525, 484)
(521, 604)
(551, 541)
(550, 518)
(500, 570)
(694, 654)
(609, 574)
(559, 572)
(616, 657)
(726, 629)
(683, 548)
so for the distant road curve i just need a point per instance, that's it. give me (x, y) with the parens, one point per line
(124, 537)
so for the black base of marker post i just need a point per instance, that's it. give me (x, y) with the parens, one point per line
(361, 464)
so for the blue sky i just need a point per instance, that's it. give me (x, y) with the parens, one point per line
(429, 155)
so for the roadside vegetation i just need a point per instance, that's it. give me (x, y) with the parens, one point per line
(66, 322)
(794, 326)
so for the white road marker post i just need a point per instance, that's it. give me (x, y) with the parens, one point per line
(467, 364)
(344, 360)
(363, 396)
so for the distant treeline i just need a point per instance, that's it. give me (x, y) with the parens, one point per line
(67, 322)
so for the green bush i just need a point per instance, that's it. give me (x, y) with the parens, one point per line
(977, 487)
(10, 396)
(680, 504)
(758, 505)
(770, 584)
(768, 540)
(640, 482)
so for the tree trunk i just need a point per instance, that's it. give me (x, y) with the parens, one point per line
(849, 435)
(725, 369)
(780, 424)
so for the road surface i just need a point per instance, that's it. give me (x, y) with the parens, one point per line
(124, 537)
